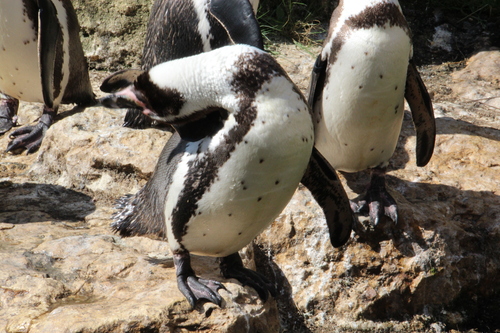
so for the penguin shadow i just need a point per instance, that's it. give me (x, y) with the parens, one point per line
(31, 202)
(291, 319)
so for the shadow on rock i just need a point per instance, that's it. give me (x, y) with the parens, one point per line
(290, 317)
(30, 202)
(447, 239)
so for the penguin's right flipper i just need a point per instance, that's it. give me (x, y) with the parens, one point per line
(238, 20)
(49, 42)
(316, 86)
(325, 186)
(422, 113)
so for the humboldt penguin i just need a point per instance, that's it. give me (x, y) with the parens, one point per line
(359, 83)
(178, 29)
(42, 61)
(242, 142)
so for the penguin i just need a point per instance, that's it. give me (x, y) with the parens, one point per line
(42, 61)
(178, 29)
(358, 86)
(243, 140)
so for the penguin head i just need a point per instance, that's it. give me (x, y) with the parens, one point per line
(133, 89)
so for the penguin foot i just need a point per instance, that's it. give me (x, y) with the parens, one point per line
(232, 267)
(8, 113)
(136, 119)
(30, 137)
(377, 201)
(192, 287)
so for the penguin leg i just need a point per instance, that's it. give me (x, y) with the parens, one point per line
(377, 200)
(30, 137)
(232, 268)
(8, 112)
(134, 118)
(192, 287)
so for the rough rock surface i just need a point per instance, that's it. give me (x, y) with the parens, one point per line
(62, 269)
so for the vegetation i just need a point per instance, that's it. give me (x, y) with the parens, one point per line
(300, 20)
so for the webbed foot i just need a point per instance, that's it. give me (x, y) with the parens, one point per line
(377, 201)
(232, 267)
(192, 287)
(31, 137)
(8, 112)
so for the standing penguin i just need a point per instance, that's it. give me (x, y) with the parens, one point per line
(243, 140)
(357, 93)
(41, 61)
(178, 29)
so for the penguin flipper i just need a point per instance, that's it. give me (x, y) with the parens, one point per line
(238, 19)
(134, 118)
(49, 37)
(325, 186)
(422, 113)
(317, 81)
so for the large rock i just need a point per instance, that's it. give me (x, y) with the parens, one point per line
(63, 270)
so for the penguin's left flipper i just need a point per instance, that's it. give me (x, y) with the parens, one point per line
(192, 287)
(325, 186)
(232, 268)
(238, 20)
(422, 113)
(49, 37)
(31, 137)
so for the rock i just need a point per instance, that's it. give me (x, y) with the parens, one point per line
(436, 270)
(479, 81)
(96, 283)
(113, 33)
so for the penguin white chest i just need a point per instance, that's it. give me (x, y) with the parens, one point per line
(19, 70)
(361, 108)
(255, 183)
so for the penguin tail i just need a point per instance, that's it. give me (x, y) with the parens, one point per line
(134, 217)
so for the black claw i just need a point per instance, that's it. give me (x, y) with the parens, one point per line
(31, 137)
(8, 113)
(232, 268)
(377, 201)
(191, 286)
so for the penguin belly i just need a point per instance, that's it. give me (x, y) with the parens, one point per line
(363, 100)
(256, 182)
(19, 70)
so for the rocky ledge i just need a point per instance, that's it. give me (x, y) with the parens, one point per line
(63, 270)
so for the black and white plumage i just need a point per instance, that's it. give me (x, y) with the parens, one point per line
(178, 29)
(244, 137)
(357, 93)
(41, 61)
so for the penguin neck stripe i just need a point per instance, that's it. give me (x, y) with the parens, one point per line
(253, 70)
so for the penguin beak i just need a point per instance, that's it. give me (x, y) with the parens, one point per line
(127, 99)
